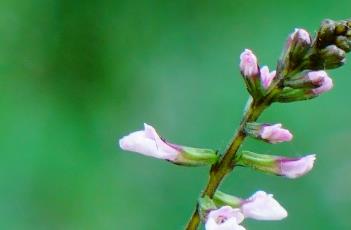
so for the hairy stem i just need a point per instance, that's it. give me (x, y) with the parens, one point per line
(225, 164)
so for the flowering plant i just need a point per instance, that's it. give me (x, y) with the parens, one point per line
(299, 75)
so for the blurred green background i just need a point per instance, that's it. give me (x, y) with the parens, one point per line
(78, 75)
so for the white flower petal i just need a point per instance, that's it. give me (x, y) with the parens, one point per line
(262, 206)
(149, 143)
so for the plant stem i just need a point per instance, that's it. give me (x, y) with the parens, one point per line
(225, 164)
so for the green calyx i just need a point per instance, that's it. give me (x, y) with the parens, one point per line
(260, 162)
(205, 206)
(196, 157)
(222, 199)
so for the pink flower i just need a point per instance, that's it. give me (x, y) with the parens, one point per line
(275, 133)
(290, 167)
(321, 79)
(262, 206)
(248, 64)
(296, 167)
(267, 77)
(225, 218)
(149, 143)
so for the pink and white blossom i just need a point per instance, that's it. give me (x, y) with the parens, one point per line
(290, 167)
(149, 143)
(262, 206)
(275, 133)
(225, 218)
(248, 64)
(296, 167)
(266, 76)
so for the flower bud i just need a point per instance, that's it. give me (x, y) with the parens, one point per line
(266, 76)
(224, 218)
(299, 39)
(262, 206)
(270, 133)
(332, 57)
(149, 143)
(343, 43)
(248, 64)
(341, 28)
(276, 165)
(348, 33)
(312, 85)
(297, 45)
(348, 23)
(326, 33)
(275, 134)
(251, 72)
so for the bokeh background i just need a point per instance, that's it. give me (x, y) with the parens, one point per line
(78, 75)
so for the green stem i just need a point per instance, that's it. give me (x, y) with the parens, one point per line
(225, 164)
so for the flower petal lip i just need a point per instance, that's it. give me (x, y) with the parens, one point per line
(327, 85)
(317, 77)
(227, 212)
(230, 224)
(225, 218)
(149, 143)
(293, 168)
(262, 206)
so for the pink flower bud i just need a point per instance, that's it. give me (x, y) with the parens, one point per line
(297, 46)
(149, 143)
(248, 64)
(266, 76)
(275, 133)
(297, 37)
(225, 218)
(321, 79)
(302, 35)
(296, 167)
(262, 206)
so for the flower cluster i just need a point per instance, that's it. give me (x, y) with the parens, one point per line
(299, 75)
(297, 84)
